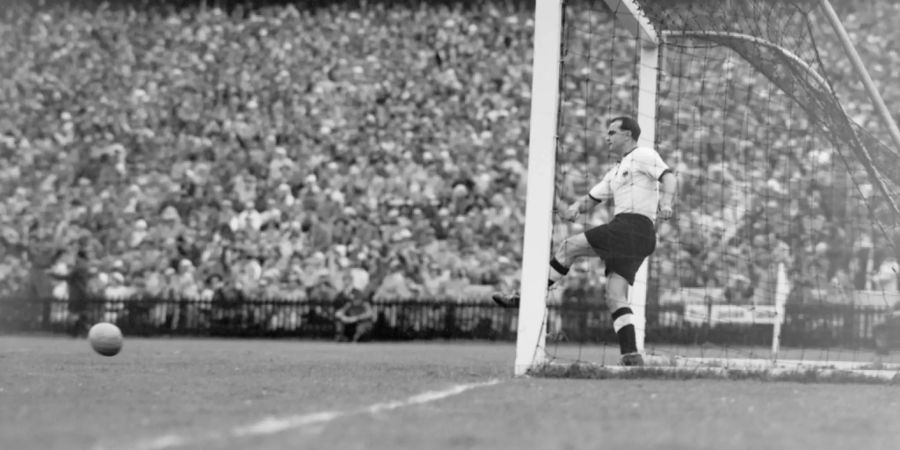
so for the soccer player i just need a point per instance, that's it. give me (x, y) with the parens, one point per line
(642, 188)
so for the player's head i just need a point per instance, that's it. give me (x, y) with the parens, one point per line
(622, 133)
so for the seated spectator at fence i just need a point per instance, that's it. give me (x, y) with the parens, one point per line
(354, 321)
(227, 303)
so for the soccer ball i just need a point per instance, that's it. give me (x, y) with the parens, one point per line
(105, 338)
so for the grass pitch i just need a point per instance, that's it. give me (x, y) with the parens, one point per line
(55, 393)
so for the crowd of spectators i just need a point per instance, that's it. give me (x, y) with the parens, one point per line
(284, 150)
(292, 152)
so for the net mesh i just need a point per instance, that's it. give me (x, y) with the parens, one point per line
(777, 39)
(780, 193)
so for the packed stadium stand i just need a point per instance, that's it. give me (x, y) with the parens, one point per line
(293, 150)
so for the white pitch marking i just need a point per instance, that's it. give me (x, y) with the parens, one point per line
(273, 425)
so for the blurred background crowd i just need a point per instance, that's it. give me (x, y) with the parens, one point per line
(297, 151)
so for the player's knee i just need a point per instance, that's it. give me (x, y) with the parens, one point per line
(572, 248)
(563, 250)
(616, 302)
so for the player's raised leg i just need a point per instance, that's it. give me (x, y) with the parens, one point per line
(574, 247)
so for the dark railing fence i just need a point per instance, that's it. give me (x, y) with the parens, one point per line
(813, 326)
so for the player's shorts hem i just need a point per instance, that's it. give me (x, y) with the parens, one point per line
(623, 243)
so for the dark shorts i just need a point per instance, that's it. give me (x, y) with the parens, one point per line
(623, 243)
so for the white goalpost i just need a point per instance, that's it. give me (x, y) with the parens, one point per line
(531, 333)
(641, 20)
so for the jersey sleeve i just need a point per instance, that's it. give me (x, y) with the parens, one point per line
(649, 162)
(603, 190)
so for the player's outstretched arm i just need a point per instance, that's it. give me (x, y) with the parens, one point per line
(578, 207)
(667, 195)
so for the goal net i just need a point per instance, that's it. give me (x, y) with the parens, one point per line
(779, 260)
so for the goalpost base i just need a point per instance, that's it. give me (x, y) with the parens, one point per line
(686, 368)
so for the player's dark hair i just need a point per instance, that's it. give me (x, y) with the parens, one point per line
(627, 123)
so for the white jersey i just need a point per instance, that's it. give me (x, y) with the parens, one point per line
(633, 183)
